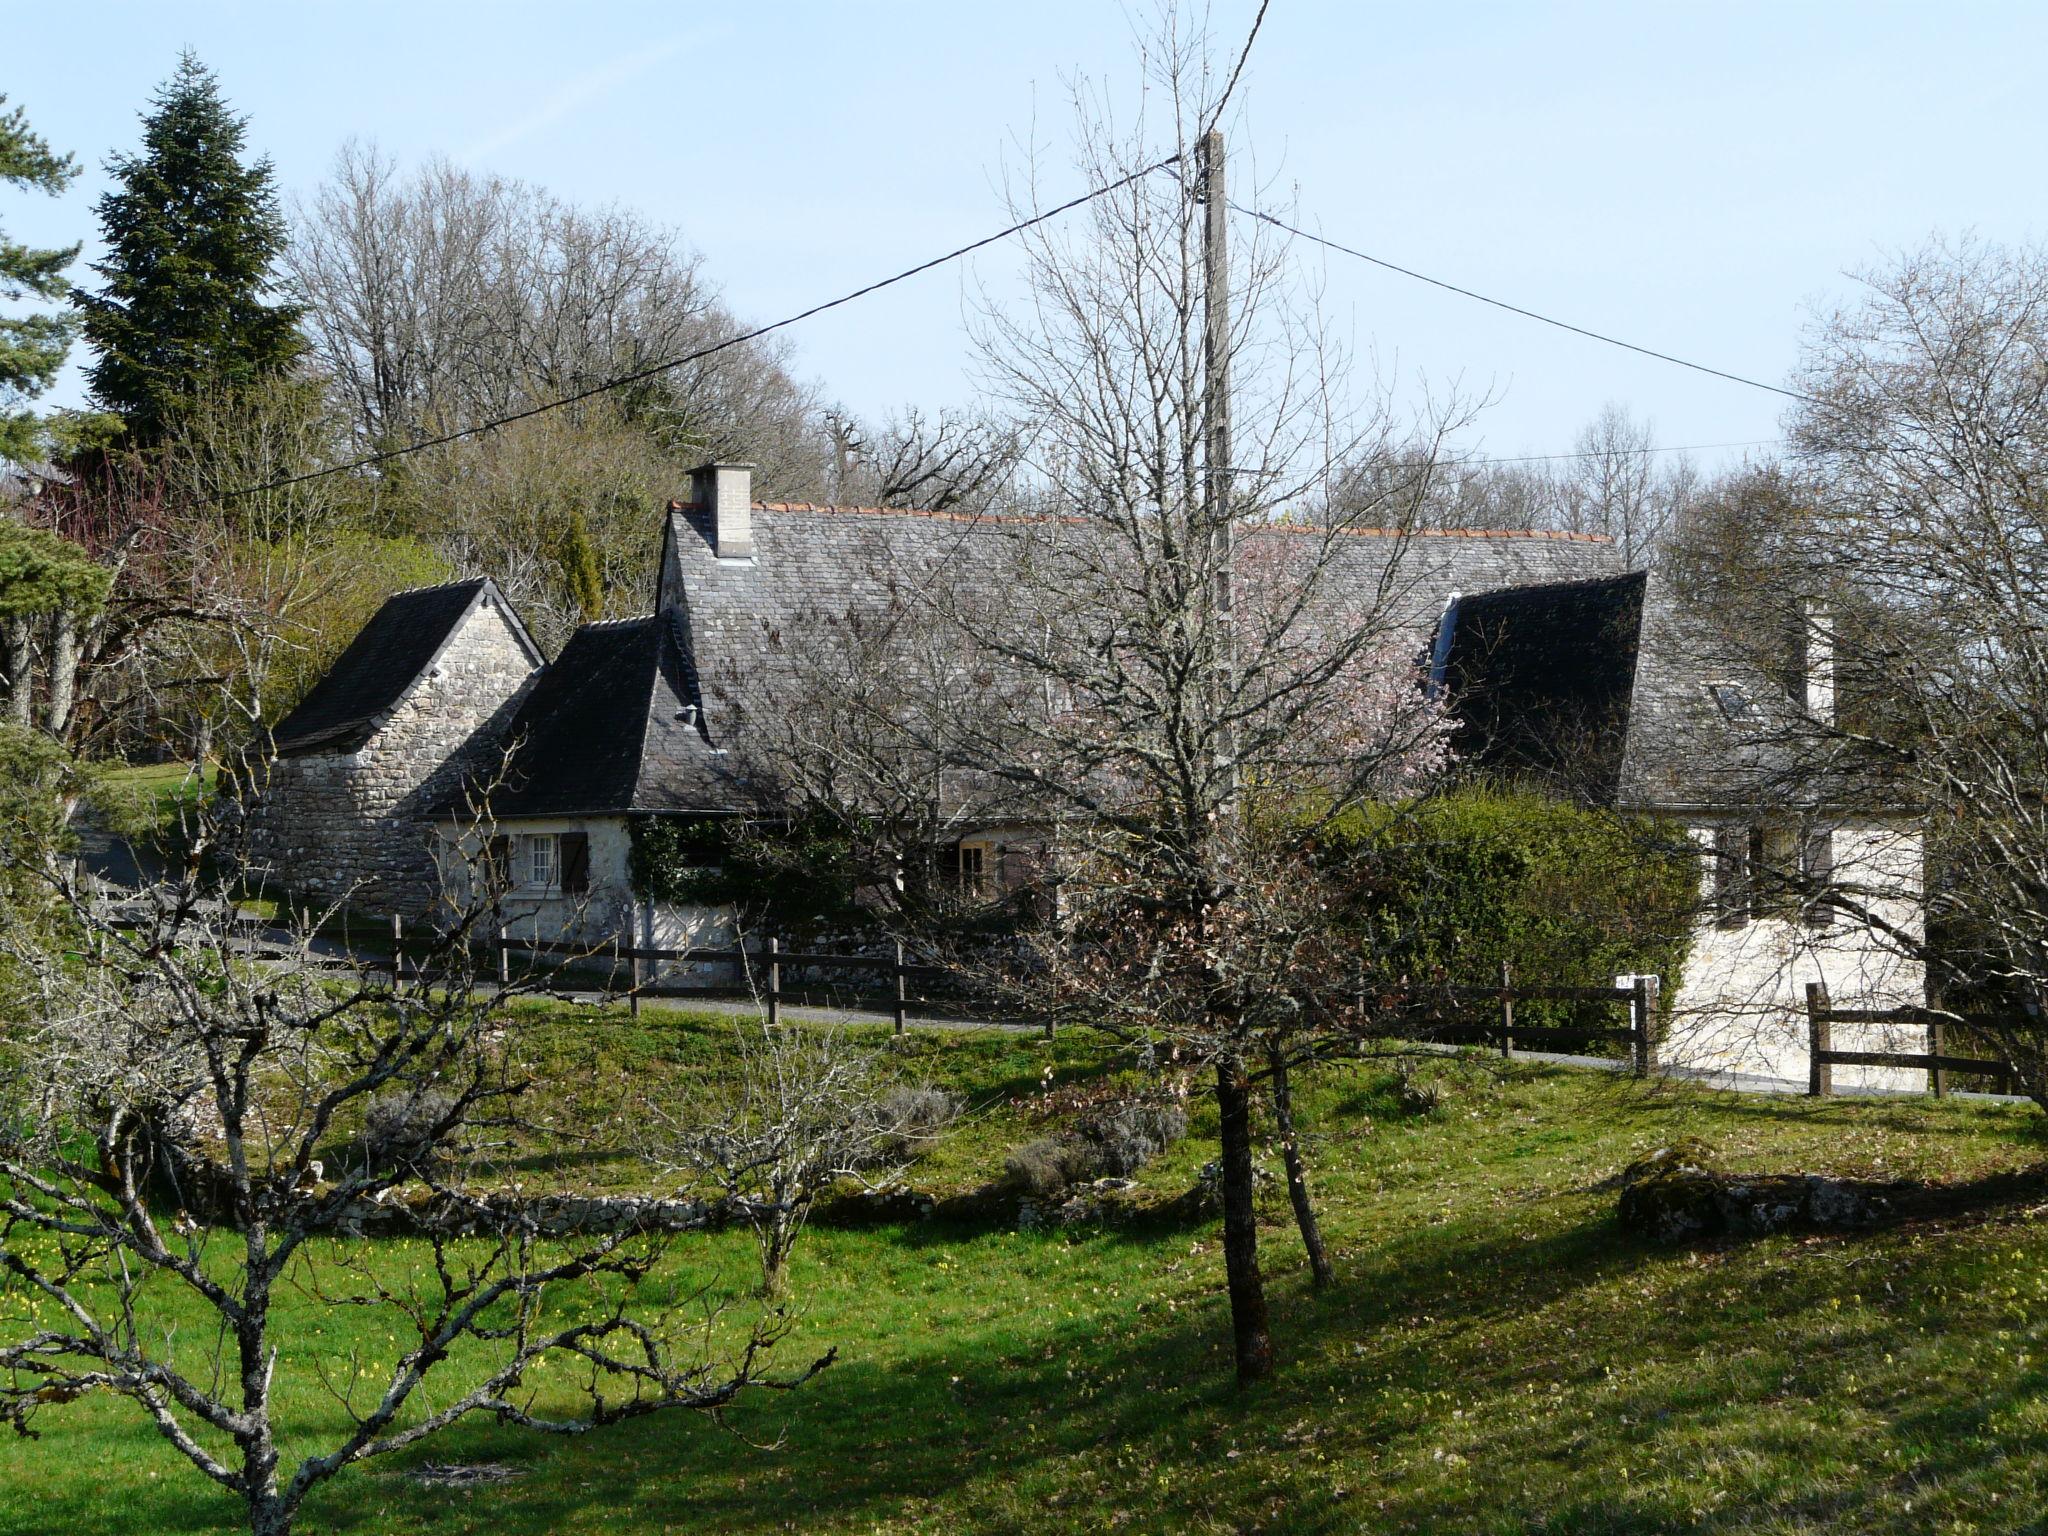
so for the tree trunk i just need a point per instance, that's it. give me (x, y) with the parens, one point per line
(63, 671)
(1297, 1176)
(1248, 1324)
(20, 682)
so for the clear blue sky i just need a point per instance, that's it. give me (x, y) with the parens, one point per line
(1691, 176)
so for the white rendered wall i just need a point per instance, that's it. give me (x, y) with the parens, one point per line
(1741, 1007)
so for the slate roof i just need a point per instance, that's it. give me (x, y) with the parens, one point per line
(1615, 691)
(839, 559)
(1541, 679)
(402, 640)
(603, 730)
(608, 729)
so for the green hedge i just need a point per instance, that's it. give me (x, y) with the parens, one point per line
(783, 879)
(1449, 888)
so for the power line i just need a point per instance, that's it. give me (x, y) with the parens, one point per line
(1516, 309)
(1243, 54)
(1538, 458)
(369, 461)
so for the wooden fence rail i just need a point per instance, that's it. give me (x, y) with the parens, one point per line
(1643, 1032)
(770, 958)
(1935, 1061)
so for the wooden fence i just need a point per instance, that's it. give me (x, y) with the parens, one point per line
(1498, 1027)
(1822, 1016)
(766, 961)
(1643, 1033)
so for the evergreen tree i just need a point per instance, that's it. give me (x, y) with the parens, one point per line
(32, 347)
(191, 234)
(580, 574)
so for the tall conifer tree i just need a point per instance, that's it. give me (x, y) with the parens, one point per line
(32, 346)
(191, 234)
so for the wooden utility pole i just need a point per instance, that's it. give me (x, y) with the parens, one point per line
(1216, 411)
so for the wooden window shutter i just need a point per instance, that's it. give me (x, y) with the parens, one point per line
(575, 852)
(1817, 869)
(1732, 866)
(498, 861)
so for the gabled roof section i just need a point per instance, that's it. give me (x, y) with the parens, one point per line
(1617, 692)
(399, 646)
(613, 727)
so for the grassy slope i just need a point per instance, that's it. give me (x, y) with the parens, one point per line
(1498, 1357)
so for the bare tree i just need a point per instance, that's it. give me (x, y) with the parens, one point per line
(945, 459)
(446, 298)
(1159, 659)
(1614, 482)
(170, 1113)
(1923, 450)
(812, 1107)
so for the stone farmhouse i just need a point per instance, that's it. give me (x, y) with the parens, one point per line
(1559, 664)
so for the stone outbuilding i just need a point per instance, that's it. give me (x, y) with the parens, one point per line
(420, 697)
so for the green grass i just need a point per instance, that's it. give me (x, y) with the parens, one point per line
(1497, 1356)
(154, 794)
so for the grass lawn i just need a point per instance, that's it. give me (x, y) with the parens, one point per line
(1497, 1356)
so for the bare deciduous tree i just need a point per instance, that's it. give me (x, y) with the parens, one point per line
(446, 298)
(1160, 659)
(1922, 453)
(170, 1111)
(811, 1107)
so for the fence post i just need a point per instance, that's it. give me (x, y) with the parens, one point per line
(1937, 1076)
(1820, 1078)
(1507, 1013)
(397, 949)
(633, 995)
(504, 958)
(1642, 1005)
(774, 982)
(899, 986)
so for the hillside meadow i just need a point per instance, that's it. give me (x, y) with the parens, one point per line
(1498, 1356)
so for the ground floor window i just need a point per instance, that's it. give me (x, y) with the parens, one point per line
(543, 859)
(1774, 868)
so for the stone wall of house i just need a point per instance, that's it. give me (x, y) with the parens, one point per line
(335, 826)
(1741, 1008)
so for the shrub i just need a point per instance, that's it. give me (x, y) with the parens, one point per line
(1448, 889)
(1113, 1140)
(919, 1115)
(399, 1130)
(1125, 1137)
(1038, 1168)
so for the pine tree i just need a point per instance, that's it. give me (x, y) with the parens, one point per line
(191, 235)
(32, 346)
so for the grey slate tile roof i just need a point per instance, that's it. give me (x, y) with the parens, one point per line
(1541, 679)
(1613, 690)
(401, 641)
(608, 729)
(836, 559)
(603, 732)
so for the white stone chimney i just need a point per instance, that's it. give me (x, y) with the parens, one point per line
(1817, 652)
(727, 492)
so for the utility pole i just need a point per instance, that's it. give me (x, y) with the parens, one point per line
(1216, 413)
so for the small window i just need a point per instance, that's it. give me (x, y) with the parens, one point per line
(542, 860)
(980, 865)
(1732, 893)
